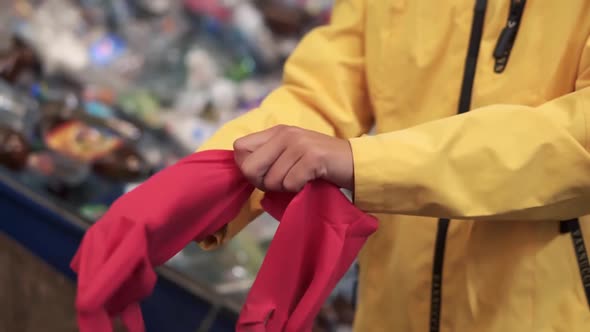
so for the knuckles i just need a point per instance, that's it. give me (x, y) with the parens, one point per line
(300, 142)
(272, 184)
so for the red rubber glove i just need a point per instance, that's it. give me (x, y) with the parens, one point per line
(320, 234)
(319, 237)
(144, 228)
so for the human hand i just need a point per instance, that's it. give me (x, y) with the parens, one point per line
(285, 158)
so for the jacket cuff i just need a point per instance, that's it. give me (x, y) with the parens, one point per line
(368, 194)
(247, 214)
(384, 171)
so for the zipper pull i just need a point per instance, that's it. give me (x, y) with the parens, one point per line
(508, 36)
(503, 47)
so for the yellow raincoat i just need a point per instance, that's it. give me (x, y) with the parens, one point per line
(506, 172)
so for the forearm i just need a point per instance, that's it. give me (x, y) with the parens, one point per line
(500, 162)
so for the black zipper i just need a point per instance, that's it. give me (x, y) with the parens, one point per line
(472, 53)
(437, 269)
(573, 227)
(508, 35)
(464, 106)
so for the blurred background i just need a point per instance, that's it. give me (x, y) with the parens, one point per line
(97, 95)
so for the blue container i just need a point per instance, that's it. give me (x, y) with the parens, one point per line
(177, 304)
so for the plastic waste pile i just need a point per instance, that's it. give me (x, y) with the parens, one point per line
(97, 95)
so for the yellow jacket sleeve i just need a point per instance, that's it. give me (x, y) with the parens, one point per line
(323, 89)
(501, 162)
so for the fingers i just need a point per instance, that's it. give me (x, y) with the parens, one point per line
(253, 141)
(285, 158)
(298, 175)
(244, 146)
(273, 180)
(257, 164)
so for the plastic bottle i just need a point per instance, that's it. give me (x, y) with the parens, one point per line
(14, 145)
(17, 60)
(14, 149)
(106, 153)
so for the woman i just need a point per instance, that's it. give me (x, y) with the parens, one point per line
(509, 171)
